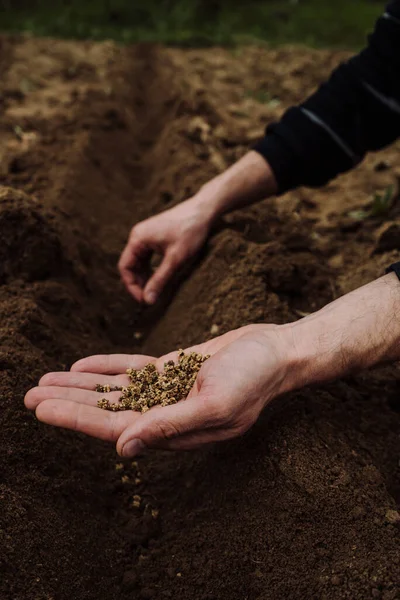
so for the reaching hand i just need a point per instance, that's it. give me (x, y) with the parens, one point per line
(177, 234)
(247, 369)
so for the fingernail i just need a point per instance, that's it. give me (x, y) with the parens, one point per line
(133, 448)
(151, 297)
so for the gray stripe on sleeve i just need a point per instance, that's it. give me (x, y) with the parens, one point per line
(387, 15)
(346, 149)
(391, 103)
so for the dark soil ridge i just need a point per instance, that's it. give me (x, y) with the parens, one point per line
(61, 299)
(300, 507)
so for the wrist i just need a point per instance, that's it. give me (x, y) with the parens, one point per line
(279, 347)
(249, 180)
(200, 210)
(210, 199)
(355, 332)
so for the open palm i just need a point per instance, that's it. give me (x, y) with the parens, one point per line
(245, 371)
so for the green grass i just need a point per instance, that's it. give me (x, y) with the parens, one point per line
(380, 207)
(342, 23)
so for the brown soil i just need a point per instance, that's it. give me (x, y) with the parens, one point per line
(93, 139)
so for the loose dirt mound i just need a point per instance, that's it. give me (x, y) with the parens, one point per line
(95, 138)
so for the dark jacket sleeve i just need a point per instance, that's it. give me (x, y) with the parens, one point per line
(356, 111)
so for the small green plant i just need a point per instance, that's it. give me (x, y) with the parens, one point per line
(19, 132)
(382, 203)
(263, 96)
(380, 207)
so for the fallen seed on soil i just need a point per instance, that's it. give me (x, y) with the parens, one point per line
(136, 501)
(149, 388)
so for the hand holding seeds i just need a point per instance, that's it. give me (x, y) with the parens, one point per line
(226, 393)
(247, 368)
(150, 388)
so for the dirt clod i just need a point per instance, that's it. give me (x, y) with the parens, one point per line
(393, 516)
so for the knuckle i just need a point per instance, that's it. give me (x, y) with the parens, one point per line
(166, 430)
(135, 234)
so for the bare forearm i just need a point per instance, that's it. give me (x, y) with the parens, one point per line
(355, 332)
(248, 180)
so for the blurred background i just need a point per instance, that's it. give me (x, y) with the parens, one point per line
(343, 23)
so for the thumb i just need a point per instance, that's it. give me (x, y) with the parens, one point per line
(163, 273)
(158, 427)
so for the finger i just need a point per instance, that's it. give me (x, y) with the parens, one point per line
(102, 424)
(133, 284)
(134, 290)
(85, 381)
(134, 266)
(162, 274)
(127, 261)
(159, 426)
(112, 364)
(39, 394)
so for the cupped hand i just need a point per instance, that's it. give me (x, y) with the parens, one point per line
(247, 369)
(176, 234)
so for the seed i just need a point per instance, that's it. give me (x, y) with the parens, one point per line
(149, 388)
(136, 501)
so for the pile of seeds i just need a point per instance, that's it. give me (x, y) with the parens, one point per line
(149, 388)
